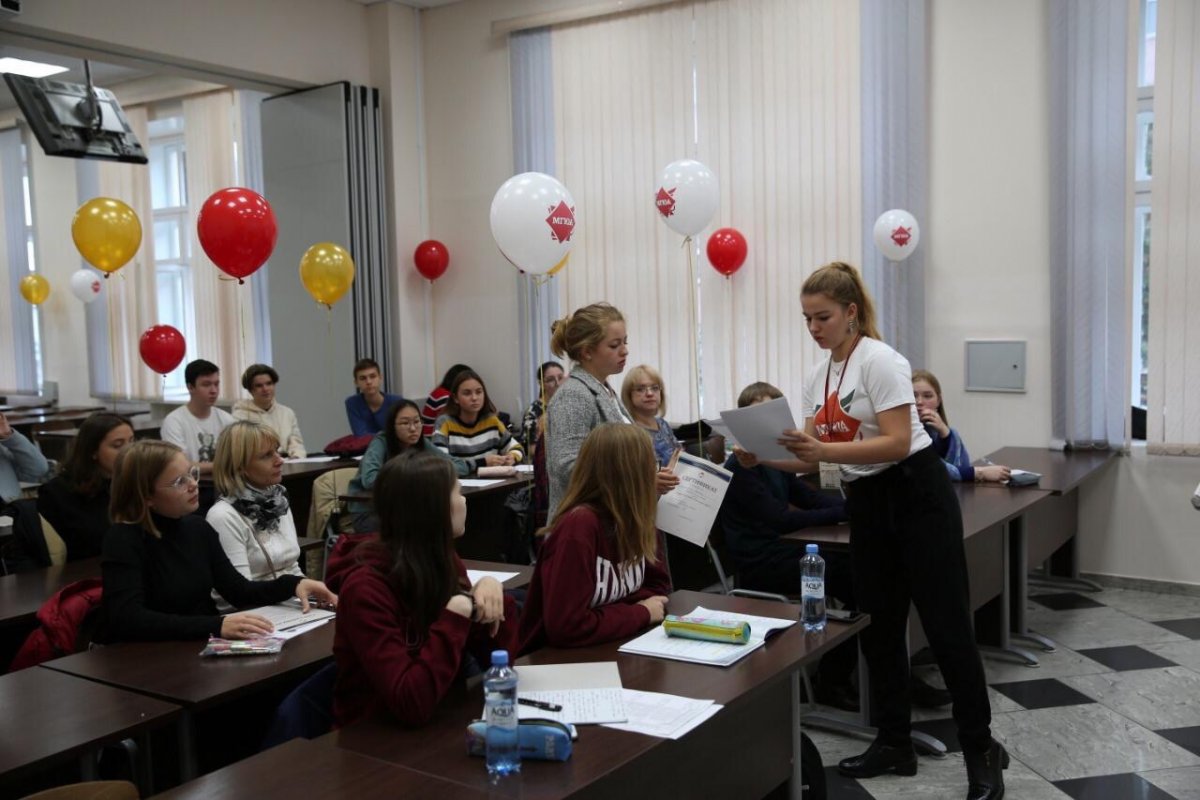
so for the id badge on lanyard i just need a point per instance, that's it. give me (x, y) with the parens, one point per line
(831, 474)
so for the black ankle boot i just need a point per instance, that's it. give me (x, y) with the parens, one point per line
(880, 758)
(985, 772)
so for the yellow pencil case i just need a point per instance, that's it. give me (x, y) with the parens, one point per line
(709, 630)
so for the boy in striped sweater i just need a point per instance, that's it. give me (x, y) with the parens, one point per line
(471, 431)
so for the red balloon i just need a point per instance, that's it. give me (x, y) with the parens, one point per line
(162, 348)
(237, 230)
(727, 250)
(431, 258)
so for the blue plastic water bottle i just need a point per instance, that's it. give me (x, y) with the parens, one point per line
(500, 709)
(812, 592)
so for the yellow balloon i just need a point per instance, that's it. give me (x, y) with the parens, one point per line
(326, 270)
(107, 233)
(558, 267)
(35, 288)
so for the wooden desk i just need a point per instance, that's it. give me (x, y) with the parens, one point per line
(304, 769)
(22, 594)
(760, 694)
(49, 717)
(175, 672)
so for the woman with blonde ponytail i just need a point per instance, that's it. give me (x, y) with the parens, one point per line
(906, 541)
(594, 339)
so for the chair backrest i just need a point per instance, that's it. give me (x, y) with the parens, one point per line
(26, 549)
(307, 711)
(325, 504)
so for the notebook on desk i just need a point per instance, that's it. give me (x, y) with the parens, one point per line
(656, 643)
(288, 614)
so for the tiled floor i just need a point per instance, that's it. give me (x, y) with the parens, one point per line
(1112, 714)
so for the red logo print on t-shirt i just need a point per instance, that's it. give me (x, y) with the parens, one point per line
(832, 422)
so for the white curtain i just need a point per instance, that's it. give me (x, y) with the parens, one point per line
(225, 322)
(17, 369)
(766, 93)
(1173, 368)
(1089, 221)
(779, 111)
(130, 293)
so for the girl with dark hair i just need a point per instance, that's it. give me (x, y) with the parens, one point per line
(75, 503)
(401, 433)
(471, 430)
(927, 391)
(407, 612)
(435, 404)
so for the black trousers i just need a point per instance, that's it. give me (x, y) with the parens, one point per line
(906, 541)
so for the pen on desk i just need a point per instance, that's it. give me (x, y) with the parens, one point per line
(525, 701)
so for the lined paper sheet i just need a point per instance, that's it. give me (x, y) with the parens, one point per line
(666, 716)
(579, 706)
(288, 615)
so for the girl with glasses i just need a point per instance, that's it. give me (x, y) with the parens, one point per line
(161, 562)
(402, 432)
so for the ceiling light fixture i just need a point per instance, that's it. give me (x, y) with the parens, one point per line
(31, 69)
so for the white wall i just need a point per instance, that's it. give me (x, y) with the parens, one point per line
(988, 273)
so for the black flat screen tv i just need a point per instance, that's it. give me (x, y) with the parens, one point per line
(67, 123)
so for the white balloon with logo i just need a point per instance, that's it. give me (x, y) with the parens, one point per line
(86, 285)
(896, 234)
(533, 221)
(687, 196)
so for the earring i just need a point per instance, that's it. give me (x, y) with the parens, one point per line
(853, 325)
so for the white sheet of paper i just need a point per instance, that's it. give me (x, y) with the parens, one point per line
(312, 460)
(523, 467)
(666, 716)
(291, 633)
(474, 575)
(656, 643)
(288, 615)
(689, 510)
(757, 428)
(479, 481)
(584, 675)
(579, 706)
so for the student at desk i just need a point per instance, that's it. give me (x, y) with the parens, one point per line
(471, 431)
(251, 515)
(928, 393)
(367, 407)
(401, 434)
(75, 502)
(644, 395)
(435, 404)
(20, 460)
(408, 613)
(260, 381)
(161, 562)
(906, 528)
(601, 574)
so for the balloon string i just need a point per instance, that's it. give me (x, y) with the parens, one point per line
(431, 331)
(329, 346)
(693, 319)
(112, 353)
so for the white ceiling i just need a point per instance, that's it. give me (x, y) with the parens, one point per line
(412, 3)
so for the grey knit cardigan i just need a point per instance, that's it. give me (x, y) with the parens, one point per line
(580, 405)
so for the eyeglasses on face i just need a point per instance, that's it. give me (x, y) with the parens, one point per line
(193, 473)
(647, 388)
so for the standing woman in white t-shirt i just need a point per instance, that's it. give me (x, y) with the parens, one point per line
(906, 528)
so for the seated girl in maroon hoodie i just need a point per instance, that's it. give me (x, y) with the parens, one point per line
(601, 574)
(408, 613)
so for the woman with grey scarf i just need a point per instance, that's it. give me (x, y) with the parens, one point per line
(251, 514)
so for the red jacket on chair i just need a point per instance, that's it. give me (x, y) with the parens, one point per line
(62, 619)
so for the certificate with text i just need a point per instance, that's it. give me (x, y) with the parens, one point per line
(689, 510)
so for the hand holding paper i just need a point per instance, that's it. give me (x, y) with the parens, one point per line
(802, 446)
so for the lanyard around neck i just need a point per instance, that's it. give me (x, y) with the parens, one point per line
(842, 377)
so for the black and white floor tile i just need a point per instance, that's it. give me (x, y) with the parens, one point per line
(1112, 714)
